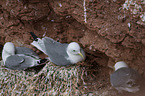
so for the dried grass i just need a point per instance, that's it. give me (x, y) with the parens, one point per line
(50, 81)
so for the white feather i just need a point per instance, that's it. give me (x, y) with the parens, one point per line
(119, 65)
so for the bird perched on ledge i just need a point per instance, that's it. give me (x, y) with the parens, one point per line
(125, 78)
(20, 58)
(59, 53)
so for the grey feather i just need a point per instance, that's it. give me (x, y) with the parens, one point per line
(17, 62)
(56, 50)
(23, 59)
(24, 50)
(125, 78)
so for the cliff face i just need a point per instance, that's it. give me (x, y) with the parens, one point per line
(114, 27)
(109, 30)
(108, 26)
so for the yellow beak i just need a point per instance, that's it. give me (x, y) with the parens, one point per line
(81, 55)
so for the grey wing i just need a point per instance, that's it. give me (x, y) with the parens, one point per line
(13, 62)
(56, 51)
(16, 62)
(24, 50)
(134, 78)
(123, 77)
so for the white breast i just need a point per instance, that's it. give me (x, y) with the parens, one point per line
(74, 58)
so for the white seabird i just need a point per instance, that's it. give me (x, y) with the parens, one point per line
(125, 78)
(59, 53)
(20, 58)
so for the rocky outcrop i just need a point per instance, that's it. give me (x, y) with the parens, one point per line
(112, 29)
(108, 30)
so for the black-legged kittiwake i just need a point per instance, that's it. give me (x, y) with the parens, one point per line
(125, 78)
(59, 53)
(20, 58)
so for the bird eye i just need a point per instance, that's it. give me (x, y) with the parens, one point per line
(74, 50)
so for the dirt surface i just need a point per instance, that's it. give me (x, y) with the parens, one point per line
(104, 33)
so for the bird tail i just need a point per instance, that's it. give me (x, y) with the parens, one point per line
(34, 36)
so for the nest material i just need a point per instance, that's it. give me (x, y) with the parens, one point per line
(51, 80)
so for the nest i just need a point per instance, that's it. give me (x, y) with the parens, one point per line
(51, 80)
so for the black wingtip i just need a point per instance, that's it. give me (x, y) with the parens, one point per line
(35, 69)
(39, 67)
(43, 61)
(34, 36)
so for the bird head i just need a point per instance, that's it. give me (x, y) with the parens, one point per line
(8, 49)
(75, 49)
(119, 65)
